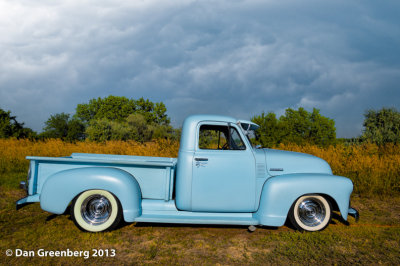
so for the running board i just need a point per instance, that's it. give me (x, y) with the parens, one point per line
(192, 219)
(159, 211)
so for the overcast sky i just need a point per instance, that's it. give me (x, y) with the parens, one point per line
(237, 58)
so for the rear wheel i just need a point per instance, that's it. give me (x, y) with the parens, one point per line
(96, 211)
(310, 213)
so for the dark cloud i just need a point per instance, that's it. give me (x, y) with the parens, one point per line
(237, 58)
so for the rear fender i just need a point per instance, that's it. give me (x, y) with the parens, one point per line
(280, 192)
(61, 188)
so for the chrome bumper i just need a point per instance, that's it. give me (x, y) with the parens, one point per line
(22, 203)
(354, 213)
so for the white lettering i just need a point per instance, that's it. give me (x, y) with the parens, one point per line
(18, 253)
(63, 253)
(41, 252)
(24, 253)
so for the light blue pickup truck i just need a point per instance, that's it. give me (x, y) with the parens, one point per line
(219, 177)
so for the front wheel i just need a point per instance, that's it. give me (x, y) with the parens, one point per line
(310, 213)
(96, 211)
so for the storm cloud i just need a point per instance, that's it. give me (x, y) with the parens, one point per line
(236, 58)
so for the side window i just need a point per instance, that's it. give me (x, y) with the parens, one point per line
(212, 137)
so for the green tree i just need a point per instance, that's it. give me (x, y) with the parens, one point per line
(115, 117)
(134, 127)
(10, 127)
(382, 126)
(269, 133)
(102, 129)
(61, 126)
(140, 129)
(166, 132)
(322, 129)
(153, 112)
(303, 127)
(296, 126)
(118, 108)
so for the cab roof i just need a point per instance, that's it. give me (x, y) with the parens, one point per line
(204, 117)
(190, 124)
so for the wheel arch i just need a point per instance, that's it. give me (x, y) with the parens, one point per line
(62, 188)
(332, 201)
(279, 193)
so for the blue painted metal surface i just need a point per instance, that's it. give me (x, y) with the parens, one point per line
(232, 175)
(280, 192)
(152, 173)
(288, 162)
(166, 212)
(249, 187)
(62, 187)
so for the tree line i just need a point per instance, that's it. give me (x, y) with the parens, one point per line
(11, 128)
(295, 126)
(112, 118)
(120, 118)
(101, 119)
(303, 127)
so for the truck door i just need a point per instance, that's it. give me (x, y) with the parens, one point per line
(223, 170)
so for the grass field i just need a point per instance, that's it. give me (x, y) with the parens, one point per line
(375, 239)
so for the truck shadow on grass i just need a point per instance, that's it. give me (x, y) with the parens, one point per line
(336, 219)
(123, 224)
(216, 226)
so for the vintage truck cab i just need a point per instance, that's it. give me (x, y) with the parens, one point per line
(219, 177)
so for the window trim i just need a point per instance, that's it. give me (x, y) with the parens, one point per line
(216, 123)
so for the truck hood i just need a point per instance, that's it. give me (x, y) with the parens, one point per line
(286, 162)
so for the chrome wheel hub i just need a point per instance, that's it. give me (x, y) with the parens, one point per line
(311, 212)
(96, 209)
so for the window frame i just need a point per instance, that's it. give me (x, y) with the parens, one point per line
(226, 124)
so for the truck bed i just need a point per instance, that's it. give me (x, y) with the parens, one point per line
(111, 159)
(155, 175)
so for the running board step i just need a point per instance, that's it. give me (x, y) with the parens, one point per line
(190, 219)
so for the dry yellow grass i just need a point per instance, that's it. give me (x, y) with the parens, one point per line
(13, 152)
(373, 169)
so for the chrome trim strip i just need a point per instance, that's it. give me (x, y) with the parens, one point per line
(276, 169)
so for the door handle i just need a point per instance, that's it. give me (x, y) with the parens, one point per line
(201, 159)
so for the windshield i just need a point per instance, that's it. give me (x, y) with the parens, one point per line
(252, 137)
(249, 130)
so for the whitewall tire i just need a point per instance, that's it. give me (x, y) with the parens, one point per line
(96, 211)
(310, 213)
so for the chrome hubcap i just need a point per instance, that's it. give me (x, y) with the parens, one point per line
(96, 209)
(311, 212)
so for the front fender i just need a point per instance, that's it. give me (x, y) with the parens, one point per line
(280, 192)
(62, 187)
